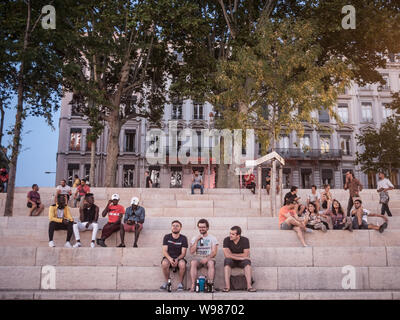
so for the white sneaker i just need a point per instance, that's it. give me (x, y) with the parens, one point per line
(52, 244)
(77, 245)
(92, 245)
(67, 245)
(308, 230)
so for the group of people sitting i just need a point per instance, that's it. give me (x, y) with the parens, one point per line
(323, 212)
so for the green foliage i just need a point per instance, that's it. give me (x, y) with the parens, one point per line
(381, 147)
(277, 83)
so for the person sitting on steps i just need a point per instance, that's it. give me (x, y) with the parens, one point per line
(133, 221)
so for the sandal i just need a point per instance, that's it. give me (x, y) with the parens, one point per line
(252, 289)
(226, 290)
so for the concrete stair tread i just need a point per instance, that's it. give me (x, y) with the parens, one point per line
(232, 295)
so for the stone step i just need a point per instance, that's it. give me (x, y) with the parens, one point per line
(258, 238)
(164, 223)
(151, 256)
(184, 296)
(150, 278)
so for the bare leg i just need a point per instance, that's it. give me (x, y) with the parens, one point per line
(300, 235)
(247, 274)
(182, 270)
(227, 274)
(292, 221)
(34, 207)
(40, 210)
(211, 270)
(193, 273)
(165, 268)
(373, 227)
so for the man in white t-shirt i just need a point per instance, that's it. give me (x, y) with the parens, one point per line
(384, 185)
(63, 189)
(314, 197)
(359, 213)
(204, 247)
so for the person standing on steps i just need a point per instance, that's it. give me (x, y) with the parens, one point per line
(354, 186)
(149, 182)
(88, 217)
(80, 193)
(115, 213)
(249, 181)
(133, 221)
(204, 247)
(63, 189)
(237, 255)
(174, 250)
(384, 185)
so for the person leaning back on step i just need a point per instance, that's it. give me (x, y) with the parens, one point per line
(115, 213)
(133, 221)
(354, 186)
(60, 219)
(88, 217)
(174, 250)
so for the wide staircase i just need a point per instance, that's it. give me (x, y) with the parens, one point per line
(282, 268)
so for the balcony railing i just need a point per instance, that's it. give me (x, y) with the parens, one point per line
(319, 154)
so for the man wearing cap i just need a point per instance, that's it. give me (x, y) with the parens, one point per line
(133, 221)
(115, 213)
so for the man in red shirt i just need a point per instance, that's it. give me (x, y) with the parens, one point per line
(115, 213)
(81, 192)
(249, 181)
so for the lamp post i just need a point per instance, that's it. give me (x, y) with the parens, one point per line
(210, 116)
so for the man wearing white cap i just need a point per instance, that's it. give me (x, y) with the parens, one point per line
(133, 221)
(115, 213)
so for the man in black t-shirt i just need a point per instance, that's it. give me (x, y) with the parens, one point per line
(292, 196)
(237, 255)
(174, 250)
(149, 182)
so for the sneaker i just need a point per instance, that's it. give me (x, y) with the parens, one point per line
(92, 245)
(382, 227)
(323, 228)
(77, 245)
(135, 245)
(52, 244)
(121, 245)
(164, 286)
(308, 230)
(101, 243)
(180, 287)
(67, 245)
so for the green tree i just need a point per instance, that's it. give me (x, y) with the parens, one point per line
(228, 26)
(122, 42)
(381, 147)
(30, 59)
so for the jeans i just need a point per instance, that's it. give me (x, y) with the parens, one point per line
(60, 226)
(385, 208)
(349, 206)
(5, 184)
(197, 186)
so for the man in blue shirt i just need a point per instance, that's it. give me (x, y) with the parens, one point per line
(133, 221)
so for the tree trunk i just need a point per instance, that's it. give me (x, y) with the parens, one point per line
(18, 125)
(16, 144)
(222, 181)
(1, 122)
(92, 164)
(112, 148)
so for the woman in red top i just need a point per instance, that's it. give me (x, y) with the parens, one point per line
(249, 181)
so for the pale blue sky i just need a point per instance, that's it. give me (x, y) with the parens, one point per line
(38, 151)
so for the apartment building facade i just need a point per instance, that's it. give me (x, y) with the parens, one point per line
(316, 158)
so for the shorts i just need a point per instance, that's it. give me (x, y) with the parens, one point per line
(200, 265)
(131, 227)
(285, 226)
(237, 263)
(178, 261)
